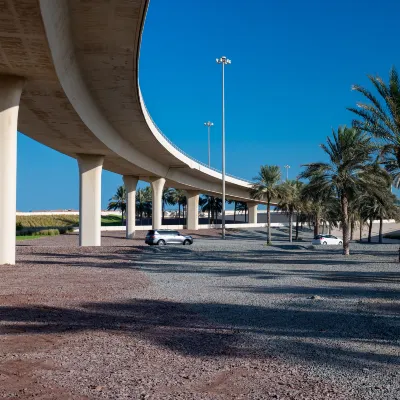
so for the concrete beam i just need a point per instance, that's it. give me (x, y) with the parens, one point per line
(10, 93)
(130, 183)
(192, 197)
(252, 212)
(157, 187)
(90, 168)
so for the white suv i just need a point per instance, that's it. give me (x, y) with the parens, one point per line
(162, 237)
(327, 239)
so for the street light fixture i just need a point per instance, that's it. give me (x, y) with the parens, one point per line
(287, 171)
(224, 61)
(209, 124)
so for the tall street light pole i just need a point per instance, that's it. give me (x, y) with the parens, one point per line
(209, 124)
(287, 171)
(224, 61)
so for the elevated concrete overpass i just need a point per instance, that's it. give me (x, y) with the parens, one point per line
(69, 79)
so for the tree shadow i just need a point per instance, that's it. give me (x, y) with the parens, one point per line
(220, 330)
(181, 259)
(351, 276)
(338, 292)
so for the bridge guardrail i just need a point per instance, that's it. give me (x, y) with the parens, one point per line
(186, 154)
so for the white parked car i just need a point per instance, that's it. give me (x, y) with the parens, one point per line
(327, 239)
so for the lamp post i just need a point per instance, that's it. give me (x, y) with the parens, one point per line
(287, 171)
(209, 124)
(224, 61)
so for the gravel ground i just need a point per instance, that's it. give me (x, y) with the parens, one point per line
(216, 320)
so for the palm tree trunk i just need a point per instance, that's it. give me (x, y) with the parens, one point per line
(352, 230)
(380, 229)
(361, 226)
(370, 230)
(316, 224)
(345, 224)
(297, 226)
(290, 227)
(269, 221)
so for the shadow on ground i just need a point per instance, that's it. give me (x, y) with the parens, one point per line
(221, 329)
(177, 259)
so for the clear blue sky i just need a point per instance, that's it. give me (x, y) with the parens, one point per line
(293, 64)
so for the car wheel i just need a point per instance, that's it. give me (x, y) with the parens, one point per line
(340, 243)
(324, 243)
(186, 242)
(161, 242)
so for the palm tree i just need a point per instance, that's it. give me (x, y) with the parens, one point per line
(304, 207)
(178, 196)
(354, 214)
(300, 206)
(143, 202)
(348, 173)
(168, 198)
(386, 210)
(234, 208)
(331, 212)
(318, 204)
(381, 118)
(205, 205)
(118, 201)
(267, 187)
(211, 204)
(241, 206)
(289, 202)
(374, 208)
(292, 202)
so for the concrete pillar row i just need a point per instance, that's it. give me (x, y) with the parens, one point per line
(157, 187)
(192, 197)
(10, 94)
(90, 169)
(130, 183)
(252, 212)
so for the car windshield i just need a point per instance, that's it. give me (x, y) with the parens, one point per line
(318, 237)
(150, 232)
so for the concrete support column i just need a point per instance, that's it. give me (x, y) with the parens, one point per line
(90, 168)
(10, 93)
(130, 183)
(252, 212)
(192, 197)
(157, 187)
